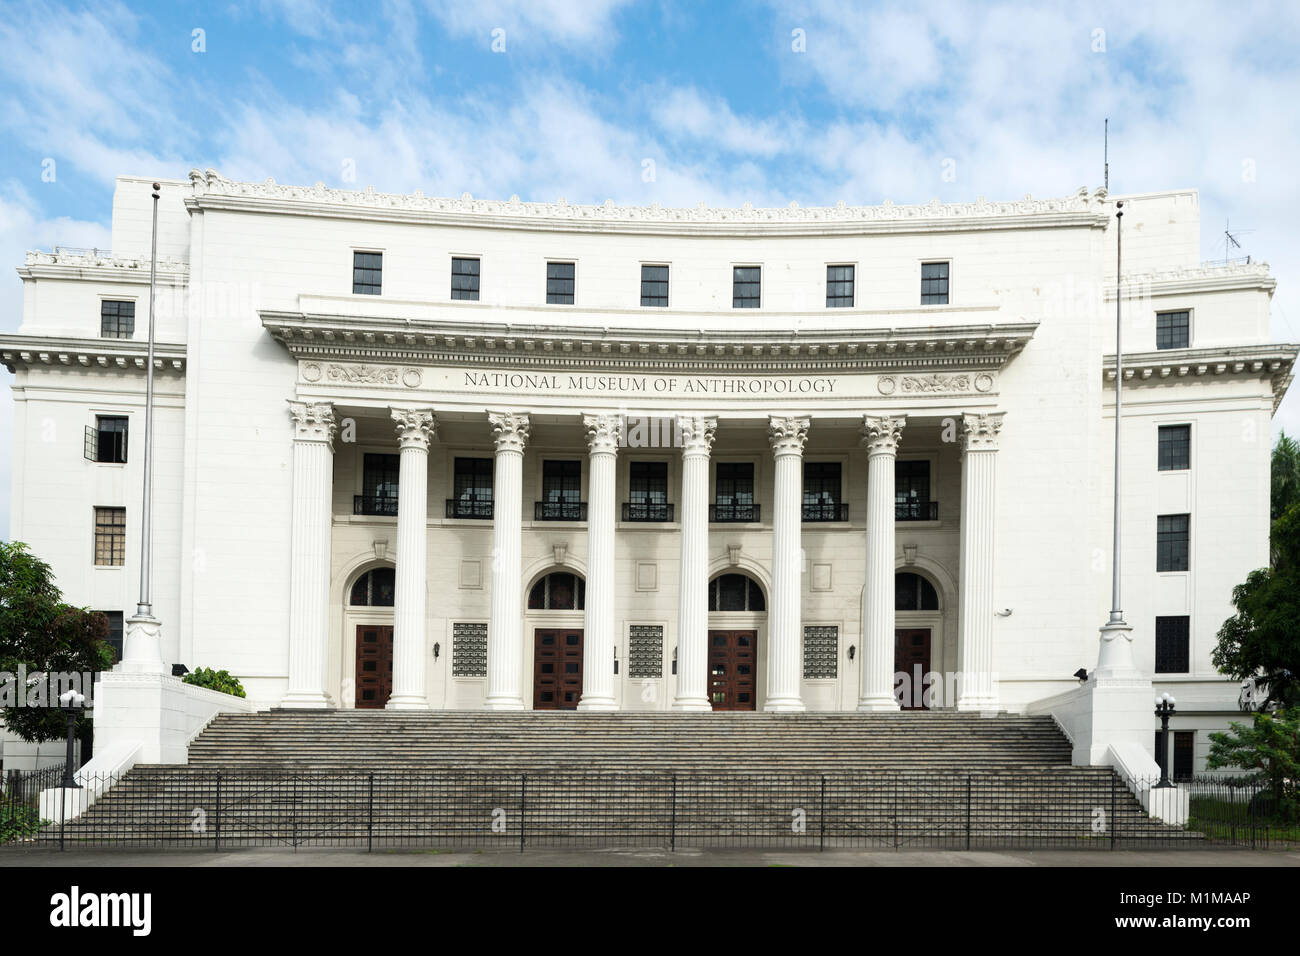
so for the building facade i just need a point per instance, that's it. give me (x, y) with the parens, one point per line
(453, 453)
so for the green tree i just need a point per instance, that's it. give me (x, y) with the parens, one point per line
(1285, 476)
(1269, 748)
(41, 634)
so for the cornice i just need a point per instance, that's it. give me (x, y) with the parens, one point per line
(1274, 361)
(102, 266)
(1207, 277)
(496, 345)
(28, 351)
(211, 190)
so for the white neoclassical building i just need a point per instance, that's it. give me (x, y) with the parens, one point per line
(454, 453)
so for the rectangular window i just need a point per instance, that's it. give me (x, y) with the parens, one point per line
(469, 650)
(821, 492)
(559, 283)
(1172, 330)
(654, 286)
(472, 489)
(934, 283)
(116, 319)
(647, 492)
(912, 492)
(1175, 453)
(378, 485)
(839, 287)
(733, 497)
(110, 537)
(106, 441)
(1173, 645)
(1172, 542)
(367, 273)
(464, 279)
(1184, 754)
(561, 492)
(645, 652)
(746, 287)
(114, 632)
(821, 652)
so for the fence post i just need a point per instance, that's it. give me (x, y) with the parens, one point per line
(63, 810)
(1114, 820)
(672, 820)
(821, 814)
(1250, 815)
(968, 811)
(370, 814)
(216, 828)
(523, 792)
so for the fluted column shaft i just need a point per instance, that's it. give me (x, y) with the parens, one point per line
(977, 684)
(876, 688)
(784, 653)
(693, 588)
(410, 598)
(309, 553)
(598, 616)
(505, 628)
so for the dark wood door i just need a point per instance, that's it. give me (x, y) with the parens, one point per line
(557, 669)
(733, 657)
(374, 664)
(912, 658)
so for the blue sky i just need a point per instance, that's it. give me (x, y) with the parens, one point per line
(880, 102)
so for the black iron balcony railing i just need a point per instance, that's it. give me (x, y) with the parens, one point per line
(560, 511)
(825, 511)
(469, 508)
(374, 505)
(733, 512)
(647, 511)
(916, 510)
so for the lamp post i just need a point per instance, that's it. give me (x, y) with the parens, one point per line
(1164, 710)
(71, 702)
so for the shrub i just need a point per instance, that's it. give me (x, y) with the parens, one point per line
(215, 680)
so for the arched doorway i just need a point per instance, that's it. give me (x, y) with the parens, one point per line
(736, 603)
(371, 598)
(553, 601)
(916, 616)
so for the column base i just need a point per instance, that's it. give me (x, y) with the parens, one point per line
(693, 705)
(784, 705)
(878, 705)
(305, 702)
(407, 702)
(598, 704)
(503, 703)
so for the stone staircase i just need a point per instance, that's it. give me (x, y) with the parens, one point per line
(380, 778)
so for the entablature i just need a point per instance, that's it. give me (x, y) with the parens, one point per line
(1274, 361)
(28, 351)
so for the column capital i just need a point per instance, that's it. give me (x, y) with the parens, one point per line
(980, 431)
(313, 422)
(509, 430)
(603, 433)
(881, 434)
(697, 434)
(415, 426)
(787, 435)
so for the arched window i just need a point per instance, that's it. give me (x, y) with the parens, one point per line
(373, 589)
(735, 592)
(914, 593)
(560, 591)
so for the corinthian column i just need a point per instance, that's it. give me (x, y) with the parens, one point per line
(977, 686)
(598, 618)
(787, 437)
(505, 630)
(693, 594)
(876, 687)
(415, 426)
(309, 553)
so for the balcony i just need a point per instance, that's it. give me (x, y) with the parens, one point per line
(733, 513)
(559, 511)
(916, 510)
(819, 511)
(647, 511)
(375, 505)
(480, 508)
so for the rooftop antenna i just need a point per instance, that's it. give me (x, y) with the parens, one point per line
(1230, 241)
(1105, 153)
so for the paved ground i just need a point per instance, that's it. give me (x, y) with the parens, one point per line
(50, 857)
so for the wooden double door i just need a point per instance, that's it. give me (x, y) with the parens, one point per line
(733, 667)
(912, 659)
(557, 668)
(374, 675)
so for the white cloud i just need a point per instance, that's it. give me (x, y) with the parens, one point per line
(573, 24)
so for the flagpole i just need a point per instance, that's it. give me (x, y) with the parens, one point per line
(1116, 612)
(145, 606)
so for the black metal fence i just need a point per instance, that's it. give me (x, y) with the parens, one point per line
(1080, 808)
